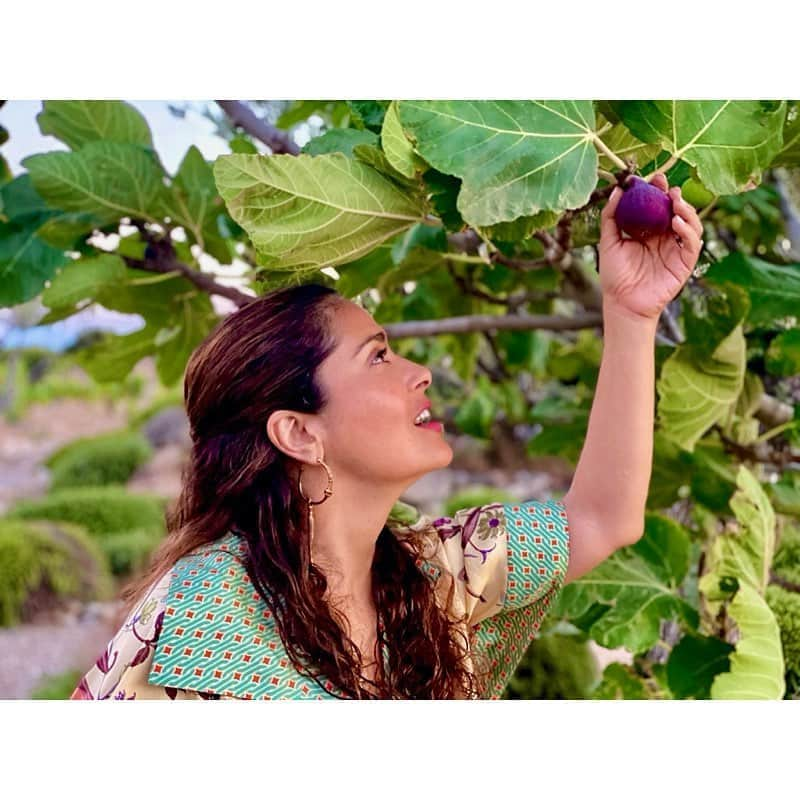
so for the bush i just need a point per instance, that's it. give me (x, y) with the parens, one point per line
(57, 687)
(556, 666)
(128, 551)
(39, 376)
(99, 461)
(120, 522)
(785, 605)
(474, 496)
(42, 564)
(786, 561)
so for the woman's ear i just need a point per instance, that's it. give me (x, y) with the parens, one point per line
(293, 434)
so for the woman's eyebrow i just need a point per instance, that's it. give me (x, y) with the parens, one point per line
(381, 335)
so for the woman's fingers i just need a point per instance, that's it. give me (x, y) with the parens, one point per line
(660, 180)
(690, 238)
(686, 210)
(608, 225)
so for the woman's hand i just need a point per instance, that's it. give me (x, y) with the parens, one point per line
(642, 277)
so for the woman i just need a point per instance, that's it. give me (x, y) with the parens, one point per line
(283, 574)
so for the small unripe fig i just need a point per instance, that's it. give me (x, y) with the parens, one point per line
(695, 193)
(643, 210)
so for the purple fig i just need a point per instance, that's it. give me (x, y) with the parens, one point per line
(643, 210)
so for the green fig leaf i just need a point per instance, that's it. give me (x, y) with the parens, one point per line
(774, 290)
(696, 392)
(78, 122)
(83, 279)
(192, 200)
(339, 140)
(694, 663)
(106, 179)
(729, 142)
(626, 146)
(637, 586)
(303, 212)
(738, 563)
(26, 263)
(515, 157)
(399, 151)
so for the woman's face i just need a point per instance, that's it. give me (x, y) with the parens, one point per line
(374, 396)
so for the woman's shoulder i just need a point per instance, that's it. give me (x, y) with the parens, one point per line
(123, 669)
(491, 558)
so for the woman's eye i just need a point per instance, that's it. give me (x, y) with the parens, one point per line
(382, 355)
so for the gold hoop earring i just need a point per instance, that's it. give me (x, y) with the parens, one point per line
(327, 492)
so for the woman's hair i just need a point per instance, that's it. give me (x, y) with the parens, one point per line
(262, 358)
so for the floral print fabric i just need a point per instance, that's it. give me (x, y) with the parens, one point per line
(203, 632)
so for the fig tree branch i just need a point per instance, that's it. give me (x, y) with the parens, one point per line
(160, 258)
(772, 412)
(242, 115)
(487, 322)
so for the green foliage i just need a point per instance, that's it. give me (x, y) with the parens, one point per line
(349, 208)
(473, 496)
(735, 583)
(98, 461)
(36, 376)
(544, 161)
(556, 666)
(622, 601)
(787, 557)
(42, 564)
(126, 526)
(622, 682)
(785, 605)
(702, 133)
(57, 687)
(129, 551)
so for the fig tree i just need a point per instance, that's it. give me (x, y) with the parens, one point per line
(643, 210)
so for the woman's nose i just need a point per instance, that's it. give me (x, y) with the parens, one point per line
(422, 376)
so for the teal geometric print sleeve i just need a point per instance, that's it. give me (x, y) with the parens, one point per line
(538, 556)
(538, 551)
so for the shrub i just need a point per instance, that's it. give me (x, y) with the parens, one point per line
(57, 687)
(42, 564)
(128, 551)
(99, 461)
(473, 496)
(556, 666)
(786, 561)
(100, 509)
(39, 376)
(120, 522)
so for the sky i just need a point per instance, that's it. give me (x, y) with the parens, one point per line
(172, 136)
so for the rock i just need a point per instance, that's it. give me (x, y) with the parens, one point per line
(170, 426)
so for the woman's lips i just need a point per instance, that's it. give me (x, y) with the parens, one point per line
(432, 425)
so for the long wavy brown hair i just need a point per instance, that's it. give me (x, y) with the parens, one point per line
(261, 358)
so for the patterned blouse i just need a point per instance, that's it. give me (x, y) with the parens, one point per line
(203, 632)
